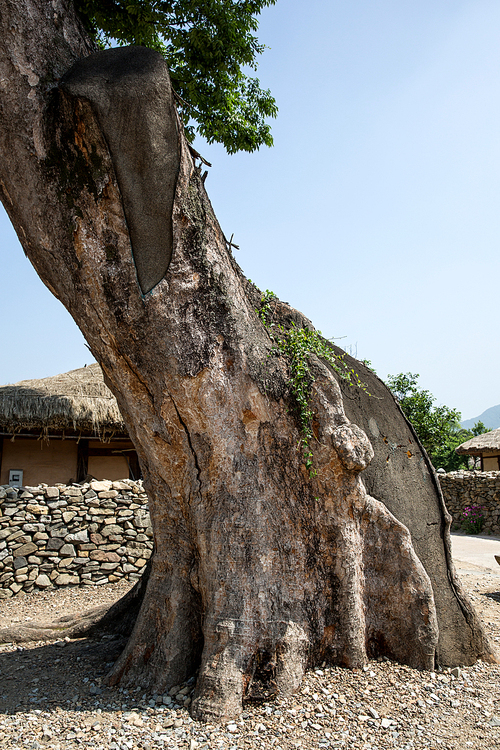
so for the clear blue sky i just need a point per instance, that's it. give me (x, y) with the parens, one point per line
(377, 212)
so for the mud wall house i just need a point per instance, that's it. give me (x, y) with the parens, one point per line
(487, 447)
(65, 428)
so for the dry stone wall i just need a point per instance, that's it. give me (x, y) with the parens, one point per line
(465, 488)
(82, 534)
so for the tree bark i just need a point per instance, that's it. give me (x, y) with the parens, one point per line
(259, 569)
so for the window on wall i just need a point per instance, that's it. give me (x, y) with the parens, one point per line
(114, 460)
(490, 463)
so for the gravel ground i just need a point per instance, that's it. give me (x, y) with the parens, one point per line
(51, 696)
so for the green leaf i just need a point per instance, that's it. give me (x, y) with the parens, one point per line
(438, 427)
(207, 44)
(297, 345)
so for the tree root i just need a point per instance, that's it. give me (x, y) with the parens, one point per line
(118, 619)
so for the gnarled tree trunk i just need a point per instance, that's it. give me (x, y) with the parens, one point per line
(259, 570)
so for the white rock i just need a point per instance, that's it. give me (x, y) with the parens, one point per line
(102, 486)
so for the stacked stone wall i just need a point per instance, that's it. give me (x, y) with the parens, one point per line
(82, 534)
(465, 488)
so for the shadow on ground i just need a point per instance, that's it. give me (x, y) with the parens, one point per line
(52, 675)
(495, 595)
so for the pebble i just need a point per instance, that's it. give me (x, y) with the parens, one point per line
(378, 712)
(62, 704)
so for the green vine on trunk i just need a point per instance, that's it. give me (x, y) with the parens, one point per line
(297, 345)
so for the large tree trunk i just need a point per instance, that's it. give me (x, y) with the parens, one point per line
(259, 570)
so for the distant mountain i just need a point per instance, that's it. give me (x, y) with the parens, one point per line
(490, 417)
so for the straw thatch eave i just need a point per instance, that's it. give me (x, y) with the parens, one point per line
(76, 401)
(481, 445)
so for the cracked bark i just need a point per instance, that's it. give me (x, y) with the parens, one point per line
(259, 571)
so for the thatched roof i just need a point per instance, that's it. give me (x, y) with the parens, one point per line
(76, 401)
(482, 444)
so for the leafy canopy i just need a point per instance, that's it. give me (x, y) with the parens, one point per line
(206, 44)
(438, 427)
